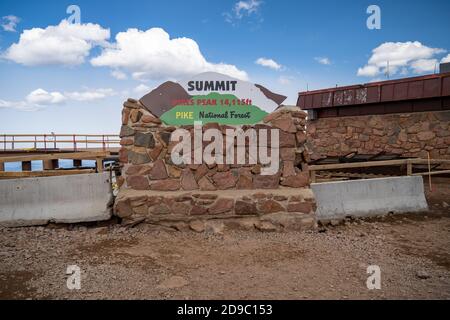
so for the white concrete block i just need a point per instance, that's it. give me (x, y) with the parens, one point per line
(60, 199)
(371, 197)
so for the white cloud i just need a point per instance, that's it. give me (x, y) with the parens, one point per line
(141, 89)
(151, 54)
(269, 63)
(323, 60)
(9, 23)
(90, 95)
(248, 7)
(446, 59)
(119, 75)
(18, 105)
(368, 71)
(402, 56)
(424, 65)
(41, 98)
(242, 9)
(66, 44)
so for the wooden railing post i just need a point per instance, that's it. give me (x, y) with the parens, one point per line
(99, 163)
(409, 170)
(313, 176)
(74, 143)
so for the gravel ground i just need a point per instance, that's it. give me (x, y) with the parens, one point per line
(142, 263)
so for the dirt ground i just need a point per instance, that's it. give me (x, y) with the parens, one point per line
(412, 251)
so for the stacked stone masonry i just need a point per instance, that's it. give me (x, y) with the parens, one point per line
(406, 134)
(153, 188)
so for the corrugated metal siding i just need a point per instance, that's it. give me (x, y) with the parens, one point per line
(425, 87)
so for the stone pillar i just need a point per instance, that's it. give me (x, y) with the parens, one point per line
(26, 165)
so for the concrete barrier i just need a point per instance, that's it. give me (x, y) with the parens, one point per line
(62, 199)
(371, 197)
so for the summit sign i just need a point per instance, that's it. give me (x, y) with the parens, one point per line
(211, 97)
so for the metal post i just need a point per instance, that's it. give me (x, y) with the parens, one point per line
(74, 143)
(45, 142)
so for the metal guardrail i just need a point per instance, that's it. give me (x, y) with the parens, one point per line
(58, 141)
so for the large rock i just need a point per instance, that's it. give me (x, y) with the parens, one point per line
(166, 185)
(298, 181)
(201, 171)
(266, 182)
(269, 206)
(426, 135)
(287, 140)
(135, 115)
(158, 171)
(245, 180)
(126, 131)
(206, 185)
(150, 119)
(285, 123)
(245, 208)
(122, 208)
(197, 226)
(287, 154)
(138, 158)
(123, 155)
(125, 116)
(301, 137)
(138, 182)
(303, 207)
(188, 181)
(144, 140)
(135, 169)
(159, 209)
(290, 221)
(180, 208)
(288, 169)
(224, 180)
(222, 205)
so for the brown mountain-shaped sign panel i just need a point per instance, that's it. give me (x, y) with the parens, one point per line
(160, 100)
(278, 98)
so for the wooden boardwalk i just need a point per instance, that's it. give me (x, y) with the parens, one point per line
(49, 148)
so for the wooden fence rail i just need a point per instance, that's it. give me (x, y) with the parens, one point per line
(400, 162)
(58, 141)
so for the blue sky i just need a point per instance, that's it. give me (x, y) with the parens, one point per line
(65, 79)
